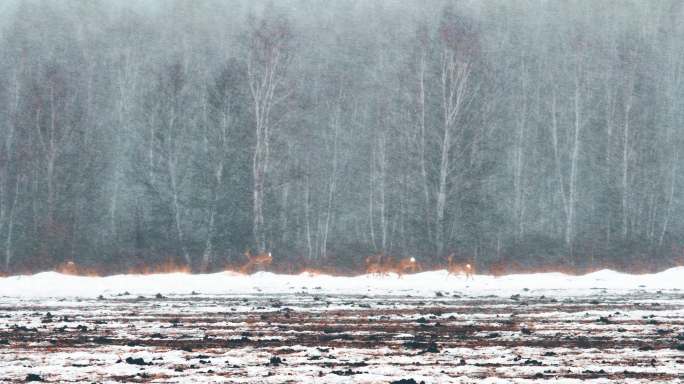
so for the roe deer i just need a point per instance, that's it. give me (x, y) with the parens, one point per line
(407, 265)
(262, 260)
(455, 268)
(378, 263)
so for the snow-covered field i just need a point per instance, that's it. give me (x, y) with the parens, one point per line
(268, 328)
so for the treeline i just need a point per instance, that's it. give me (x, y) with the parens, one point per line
(517, 134)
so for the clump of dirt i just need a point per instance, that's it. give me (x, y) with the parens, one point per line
(32, 377)
(137, 361)
(406, 381)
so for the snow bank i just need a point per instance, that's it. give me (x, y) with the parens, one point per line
(53, 284)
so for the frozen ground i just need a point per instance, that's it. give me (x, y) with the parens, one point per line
(267, 328)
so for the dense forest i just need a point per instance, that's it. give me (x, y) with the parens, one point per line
(524, 134)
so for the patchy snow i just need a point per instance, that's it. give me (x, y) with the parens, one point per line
(53, 284)
(597, 328)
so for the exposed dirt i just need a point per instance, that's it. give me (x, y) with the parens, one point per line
(320, 338)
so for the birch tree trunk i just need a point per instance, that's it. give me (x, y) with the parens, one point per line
(519, 183)
(335, 124)
(455, 75)
(126, 85)
(52, 136)
(423, 167)
(572, 193)
(217, 143)
(7, 213)
(625, 158)
(557, 160)
(307, 218)
(371, 198)
(172, 168)
(266, 67)
(10, 225)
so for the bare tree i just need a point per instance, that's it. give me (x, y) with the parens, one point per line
(169, 137)
(268, 56)
(458, 47)
(9, 200)
(55, 109)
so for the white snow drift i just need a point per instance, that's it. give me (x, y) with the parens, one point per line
(53, 284)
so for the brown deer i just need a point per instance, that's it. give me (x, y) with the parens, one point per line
(377, 264)
(68, 268)
(407, 265)
(455, 268)
(262, 260)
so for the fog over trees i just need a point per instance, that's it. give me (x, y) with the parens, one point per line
(515, 134)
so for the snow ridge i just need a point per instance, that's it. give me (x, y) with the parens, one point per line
(53, 284)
